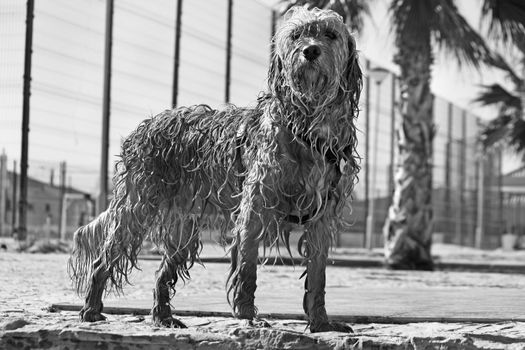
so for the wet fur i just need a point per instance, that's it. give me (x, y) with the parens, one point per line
(291, 159)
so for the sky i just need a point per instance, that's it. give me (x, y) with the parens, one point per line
(68, 62)
(68, 44)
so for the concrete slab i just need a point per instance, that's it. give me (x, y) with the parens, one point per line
(355, 305)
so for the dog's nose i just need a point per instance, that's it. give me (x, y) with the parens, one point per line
(311, 52)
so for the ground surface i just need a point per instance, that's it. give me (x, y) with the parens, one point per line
(30, 283)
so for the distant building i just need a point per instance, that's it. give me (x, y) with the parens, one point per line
(43, 212)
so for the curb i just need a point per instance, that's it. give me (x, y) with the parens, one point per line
(459, 266)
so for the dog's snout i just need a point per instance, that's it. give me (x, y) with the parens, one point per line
(311, 52)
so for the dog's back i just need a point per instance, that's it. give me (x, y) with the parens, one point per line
(187, 153)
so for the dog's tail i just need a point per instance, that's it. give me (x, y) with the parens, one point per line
(88, 242)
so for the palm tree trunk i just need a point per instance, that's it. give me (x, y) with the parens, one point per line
(408, 227)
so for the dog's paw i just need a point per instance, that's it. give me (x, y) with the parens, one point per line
(91, 315)
(258, 323)
(169, 322)
(331, 327)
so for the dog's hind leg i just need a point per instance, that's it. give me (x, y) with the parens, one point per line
(92, 310)
(166, 280)
(123, 231)
(314, 245)
(85, 266)
(180, 251)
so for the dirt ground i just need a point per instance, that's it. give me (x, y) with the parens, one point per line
(30, 283)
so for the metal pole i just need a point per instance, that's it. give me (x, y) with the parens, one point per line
(106, 105)
(392, 135)
(519, 218)
(3, 191)
(481, 199)
(500, 185)
(522, 88)
(367, 149)
(273, 24)
(370, 225)
(463, 173)
(30, 12)
(61, 210)
(178, 22)
(273, 27)
(228, 52)
(63, 214)
(448, 162)
(15, 184)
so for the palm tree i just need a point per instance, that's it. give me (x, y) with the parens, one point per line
(419, 26)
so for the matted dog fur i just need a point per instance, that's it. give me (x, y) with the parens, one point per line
(291, 159)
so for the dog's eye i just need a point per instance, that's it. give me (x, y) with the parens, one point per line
(296, 35)
(330, 35)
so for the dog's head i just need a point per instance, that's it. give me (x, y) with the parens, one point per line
(314, 59)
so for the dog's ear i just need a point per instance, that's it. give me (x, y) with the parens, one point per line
(353, 73)
(275, 76)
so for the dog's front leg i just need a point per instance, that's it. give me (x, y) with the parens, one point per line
(315, 249)
(244, 254)
(244, 278)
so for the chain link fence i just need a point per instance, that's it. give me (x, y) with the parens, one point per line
(66, 108)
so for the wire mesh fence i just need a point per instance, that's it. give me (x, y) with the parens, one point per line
(66, 108)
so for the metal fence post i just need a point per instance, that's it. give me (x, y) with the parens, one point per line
(367, 149)
(176, 58)
(480, 217)
(501, 221)
(481, 199)
(462, 181)
(30, 12)
(61, 209)
(392, 134)
(106, 108)
(228, 52)
(448, 171)
(3, 191)
(13, 206)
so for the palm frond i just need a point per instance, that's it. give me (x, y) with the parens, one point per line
(410, 18)
(453, 33)
(507, 128)
(418, 20)
(501, 63)
(352, 11)
(496, 94)
(517, 136)
(497, 130)
(506, 20)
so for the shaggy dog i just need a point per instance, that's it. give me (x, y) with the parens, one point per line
(290, 160)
